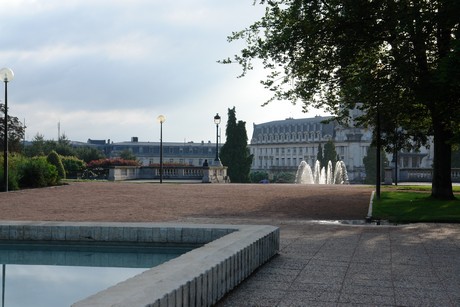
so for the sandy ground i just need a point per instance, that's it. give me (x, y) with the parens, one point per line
(144, 202)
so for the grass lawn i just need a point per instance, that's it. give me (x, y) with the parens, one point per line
(406, 204)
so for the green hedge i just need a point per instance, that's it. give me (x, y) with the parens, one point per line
(29, 173)
(73, 166)
(37, 172)
(55, 160)
(13, 173)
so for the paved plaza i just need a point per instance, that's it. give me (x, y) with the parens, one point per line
(322, 264)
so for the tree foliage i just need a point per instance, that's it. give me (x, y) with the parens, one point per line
(73, 166)
(54, 159)
(330, 154)
(319, 155)
(370, 163)
(37, 172)
(88, 154)
(128, 155)
(15, 131)
(257, 177)
(396, 59)
(235, 152)
(107, 163)
(41, 147)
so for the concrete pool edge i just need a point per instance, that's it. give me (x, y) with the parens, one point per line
(198, 278)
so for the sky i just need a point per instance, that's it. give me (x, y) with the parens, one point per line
(106, 69)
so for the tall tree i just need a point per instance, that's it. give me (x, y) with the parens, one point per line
(330, 154)
(387, 55)
(15, 131)
(370, 161)
(235, 152)
(320, 156)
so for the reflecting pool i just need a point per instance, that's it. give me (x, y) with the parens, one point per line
(50, 274)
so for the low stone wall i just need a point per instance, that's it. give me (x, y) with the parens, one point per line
(420, 174)
(198, 278)
(210, 174)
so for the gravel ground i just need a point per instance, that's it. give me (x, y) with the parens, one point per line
(172, 202)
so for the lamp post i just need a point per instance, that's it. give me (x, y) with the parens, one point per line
(161, 119)
(217, 122)
(378, 179)
(7, 75)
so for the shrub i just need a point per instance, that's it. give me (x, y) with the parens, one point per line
(106, 163)
(257, 177)
(284, 178)
(37, 172)
(54, 159)
(73, 166)
(14, 162)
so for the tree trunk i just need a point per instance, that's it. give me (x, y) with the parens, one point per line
(442, 181)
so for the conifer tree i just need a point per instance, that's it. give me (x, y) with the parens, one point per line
(235, 152)
(319, 155)
(330, 154)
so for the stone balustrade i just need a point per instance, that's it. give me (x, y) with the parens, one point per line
(211, 174)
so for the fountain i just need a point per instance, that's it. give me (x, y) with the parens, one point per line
(329, 175)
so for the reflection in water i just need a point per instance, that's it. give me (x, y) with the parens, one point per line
(42, 285)
(3, 284)
(51, 274)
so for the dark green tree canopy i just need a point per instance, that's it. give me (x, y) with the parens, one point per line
(330, 154)
(235, 153)
(399, 59)
(319, 155)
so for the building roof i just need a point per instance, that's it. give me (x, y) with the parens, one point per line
(290, 125)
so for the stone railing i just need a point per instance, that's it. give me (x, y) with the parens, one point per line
(418, 174)
(211, 174)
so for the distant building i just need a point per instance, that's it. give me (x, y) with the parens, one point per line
(148, 153)
(280, 146)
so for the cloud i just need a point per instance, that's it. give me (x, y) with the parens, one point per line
(106, 69)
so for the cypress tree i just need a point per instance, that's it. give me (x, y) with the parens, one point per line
(319, 155)
(330, 154)
(235, 152)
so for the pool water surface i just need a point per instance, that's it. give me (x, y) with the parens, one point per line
(50, 274)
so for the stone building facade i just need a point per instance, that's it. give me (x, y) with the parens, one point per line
(280, 146)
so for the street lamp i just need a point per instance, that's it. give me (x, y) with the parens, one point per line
(7, 75)
(378, 144)
(217, 122)
(161, 119)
